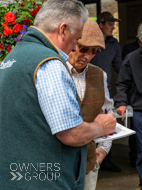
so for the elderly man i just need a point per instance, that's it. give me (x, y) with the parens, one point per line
(43, 137)
(91, 84)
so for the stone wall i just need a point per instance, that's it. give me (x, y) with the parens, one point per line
(5, 2)
(110, 6)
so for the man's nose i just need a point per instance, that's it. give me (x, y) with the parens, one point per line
(88, 55)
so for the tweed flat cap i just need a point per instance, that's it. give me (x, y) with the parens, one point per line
(92, 35)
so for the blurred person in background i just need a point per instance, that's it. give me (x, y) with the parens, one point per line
(108, 58)
(128, 48)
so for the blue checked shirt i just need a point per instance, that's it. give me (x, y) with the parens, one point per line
(57, 95)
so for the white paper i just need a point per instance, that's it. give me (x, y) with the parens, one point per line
(119, 132)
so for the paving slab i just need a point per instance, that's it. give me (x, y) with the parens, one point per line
(127, 179)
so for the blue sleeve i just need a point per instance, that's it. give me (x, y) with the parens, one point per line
(57, 96)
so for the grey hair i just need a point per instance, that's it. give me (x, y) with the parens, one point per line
(55, 12)
(139, 31)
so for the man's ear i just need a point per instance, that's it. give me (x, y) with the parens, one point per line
(100, 25)
(63, 29)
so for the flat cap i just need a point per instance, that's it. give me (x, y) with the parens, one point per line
(107, 17)
(92, 35)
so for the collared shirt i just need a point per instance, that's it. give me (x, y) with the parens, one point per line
(79, 80)
(57, 95)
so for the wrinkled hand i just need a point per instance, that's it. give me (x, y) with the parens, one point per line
(100, 155)
(107, 122)
(121, 111)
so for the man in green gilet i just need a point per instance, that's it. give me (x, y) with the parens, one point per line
(42, 134)
(91, 84)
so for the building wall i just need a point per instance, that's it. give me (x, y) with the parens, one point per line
(5, 2)
(131, 15)
(106, 5)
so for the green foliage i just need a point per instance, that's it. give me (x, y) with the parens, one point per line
(93, 18)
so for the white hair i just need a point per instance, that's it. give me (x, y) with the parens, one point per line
(139, 31)
(55, 12)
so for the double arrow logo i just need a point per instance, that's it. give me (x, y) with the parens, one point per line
(15, 176)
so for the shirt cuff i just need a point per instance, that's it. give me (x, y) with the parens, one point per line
(106, 145)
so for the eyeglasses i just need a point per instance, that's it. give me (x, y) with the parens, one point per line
(86, 50)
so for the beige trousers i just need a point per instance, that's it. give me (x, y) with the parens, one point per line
(91, 178)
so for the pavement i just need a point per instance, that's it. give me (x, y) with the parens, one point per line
(127, 179)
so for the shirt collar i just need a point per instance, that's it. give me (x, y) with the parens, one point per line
(64, 55)
(73, 70)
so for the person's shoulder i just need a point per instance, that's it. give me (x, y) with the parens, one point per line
(55, 65)
(134, 54)
(133, 45)
(112, 39)
(91, 66)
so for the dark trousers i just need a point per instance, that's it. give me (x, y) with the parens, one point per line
(137, 124)
(132, 138)
(132, 143)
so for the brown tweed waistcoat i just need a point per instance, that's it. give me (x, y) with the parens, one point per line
(91, 106)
